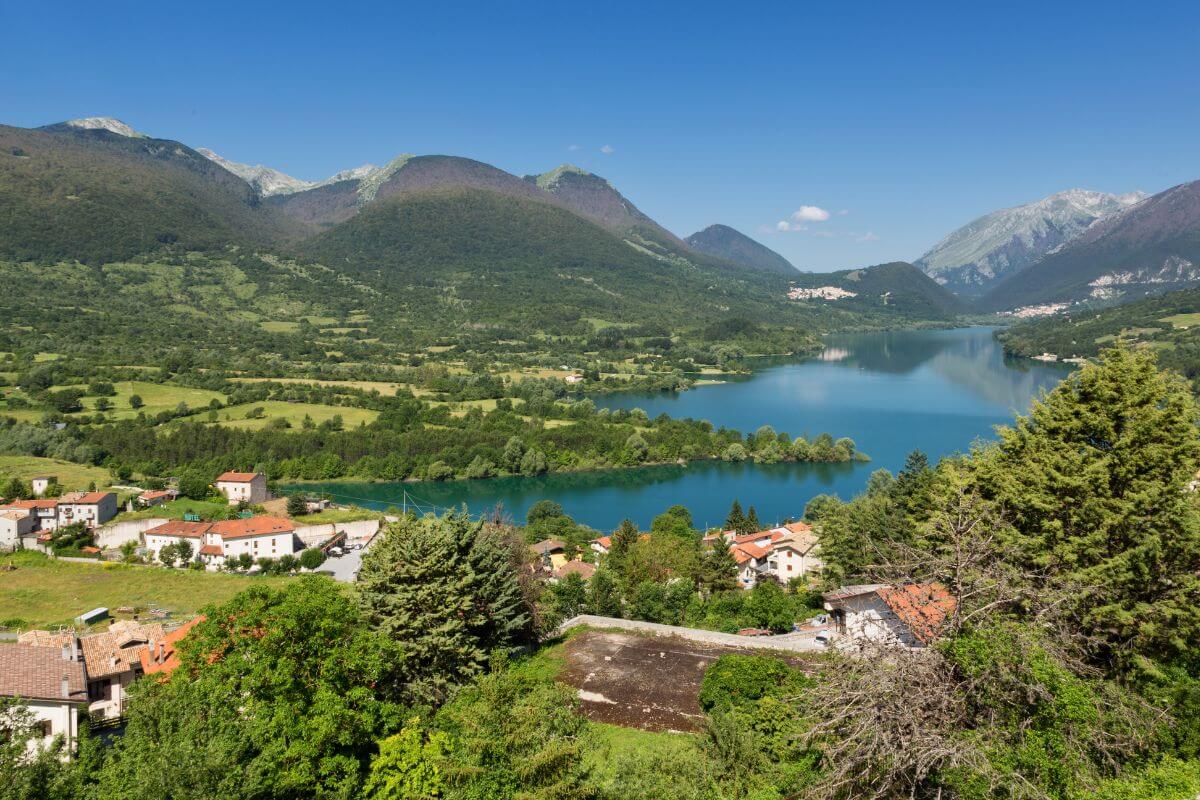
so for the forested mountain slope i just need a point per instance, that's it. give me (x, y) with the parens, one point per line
(722, 241)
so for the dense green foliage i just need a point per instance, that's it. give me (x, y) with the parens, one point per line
(1168, 323)
(898, 287)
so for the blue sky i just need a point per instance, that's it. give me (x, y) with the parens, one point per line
(901, 120)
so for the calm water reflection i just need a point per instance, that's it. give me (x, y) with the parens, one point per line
(891, 392)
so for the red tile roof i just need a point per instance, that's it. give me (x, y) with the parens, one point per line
(118, 649)
(603, 541)
(923, 607)
(237, 477)
(155, 494)
(210, 550)
(547, 546)
(163, 658)
(31, 504)
(84, 498)
(227, 528)
(252, 526)
(178, 527)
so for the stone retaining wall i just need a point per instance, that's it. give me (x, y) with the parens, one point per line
(791, 642)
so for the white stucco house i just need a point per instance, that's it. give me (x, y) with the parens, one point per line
(243, 487)
(782, 553)
(51, 685)
(14, 523)
(91, 508)
(215, 542)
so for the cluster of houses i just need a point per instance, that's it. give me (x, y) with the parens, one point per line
(31, 522)
(783, 553)
(42, 516)
(57, 675)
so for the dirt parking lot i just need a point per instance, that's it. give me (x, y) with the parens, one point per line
(643, 682)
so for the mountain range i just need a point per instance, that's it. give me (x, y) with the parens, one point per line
(975, 257)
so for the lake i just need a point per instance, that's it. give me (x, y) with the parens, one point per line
(891, 392)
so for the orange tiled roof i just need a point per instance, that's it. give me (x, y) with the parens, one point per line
(237, 477)
(119, 649)
(253, 526)
(48, 502)
(923, 607)
(603, 541)
(155, 494)
(84, 498)
(210, 550)
(163, 658)
(178, 527)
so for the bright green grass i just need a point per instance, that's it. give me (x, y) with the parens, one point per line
(43, 592)
(294, 413)
(70, 475)
(176, 509)
(156, 397)
(1183, 320)
(279, 326)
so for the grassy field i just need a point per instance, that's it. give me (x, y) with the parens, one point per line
(70, 475)
(43, 592)
(383, 387)
(294, 413)
(279, 326)
(1183, 320)
(156, 396)
(205, 509)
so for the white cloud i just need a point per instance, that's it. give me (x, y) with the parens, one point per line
(868, 237)
(572, 147)
(810, 214)
(783, 226)
(607, 150)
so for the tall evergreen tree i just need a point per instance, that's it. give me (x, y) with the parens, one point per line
(495, 555)
(752, 523)
(736, 519)
(1095, 482)
(418, 586)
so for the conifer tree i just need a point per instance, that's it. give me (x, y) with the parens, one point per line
(418, 586)
(752, 523)
(736, 520)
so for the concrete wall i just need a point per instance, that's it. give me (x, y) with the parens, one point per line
(792, 642)
(118, 533)
(314, 535)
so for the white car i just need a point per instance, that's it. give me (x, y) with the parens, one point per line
(822, 639)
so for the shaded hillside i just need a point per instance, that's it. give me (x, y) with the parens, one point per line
(722, 241)
(897, 287)
(596, 199)
(497, 257)
(93, 195)
(1169, 323)
(1149, 248)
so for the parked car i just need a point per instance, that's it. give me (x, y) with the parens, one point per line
(822, 639)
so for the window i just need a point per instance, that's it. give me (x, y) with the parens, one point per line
(46, 727)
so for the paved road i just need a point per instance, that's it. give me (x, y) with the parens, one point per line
(344, 568)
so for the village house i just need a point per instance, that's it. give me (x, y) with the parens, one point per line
(243, 487)
(785, 552)
(43, 513)
(214, 542)
(601, 545)
(14, 523)
(41, 484)
(156, 497)
(91, 508)
(50, 683)
(909, 615)
(581, 568)
(553, 552)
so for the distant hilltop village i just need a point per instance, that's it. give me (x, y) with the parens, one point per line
(820, 293)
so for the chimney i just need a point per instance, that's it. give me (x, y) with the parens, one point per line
(66, 687)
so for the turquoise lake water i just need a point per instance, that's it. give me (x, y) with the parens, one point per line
(892, 392)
